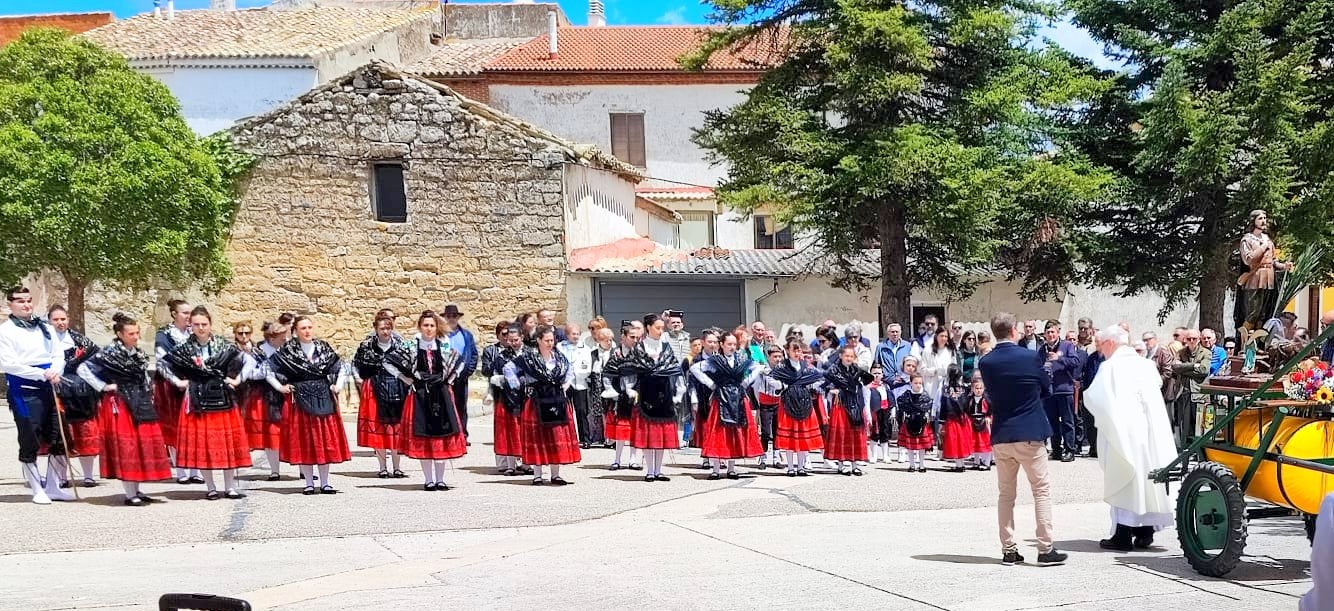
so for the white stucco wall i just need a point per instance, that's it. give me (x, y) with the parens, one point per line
(582, 113)
(213, 98)
(590, 223)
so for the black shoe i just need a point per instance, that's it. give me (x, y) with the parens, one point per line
(442, 487)
(584, 446)
(636, 466)
(705, 465)
(791, 473)
(196, 479)
(1051, 557)
(648, 478)
(468, 443)
(183, 481)
(148, 499)
(509, 473)
(308, 491)
(1143, 542)
(399, 474)
(1068, 458)
(614, 467)
(429, 487)
(559, 481)
(662, 478)
(327, 489)
(857, 471)
(64, 485)
(802, 473)
(1115, 545)
(714, 477)
(733, 475)
(382, 474)
(537, 481)
(1011, 558)
(273, 477)
(234, 495)
(213, 496)
(89, 482)
(135, 501)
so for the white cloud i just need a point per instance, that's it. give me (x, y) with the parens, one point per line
(676, 16)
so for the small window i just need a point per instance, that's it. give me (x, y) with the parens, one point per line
(696, 230)
(770, 234)
(388, 194)
(627, 138)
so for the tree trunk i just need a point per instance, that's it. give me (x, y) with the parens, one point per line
(1215, 277)
(77, 289)
(895, 294)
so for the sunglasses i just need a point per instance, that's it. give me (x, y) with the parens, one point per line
(243, 333)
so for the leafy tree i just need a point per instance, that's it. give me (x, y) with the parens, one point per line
(100, 178)
(1225, 107)
(924, 129)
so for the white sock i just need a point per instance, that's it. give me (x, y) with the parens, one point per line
(380, 456)
(131, 489)
(717, 464)
(802, 457)
(210, 480)
(791, 460)
(88, 465)
(620, 447)
(324, 474)
(309, 475)
(633, 452)
(537, 471)
(428, 470)
(397, 459)
(271, 455)
(658, 460)
(731, 465)
(555, 471)
(229, 479)
(440, 471)
(171, 454)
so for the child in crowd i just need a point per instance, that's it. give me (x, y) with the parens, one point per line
(979, 415)
(915, 434)
(880, 400)
(956, 428)
(898, 386)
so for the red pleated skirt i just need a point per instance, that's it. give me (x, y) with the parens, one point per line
(844, 441)
(614, 428)
(167, 400)
(130, 452)
(211, 440)
(260, 433)
(508, 432)
(730, 442)
(429, 448)
(371, 433)
(958, 439)
(646, 434)
(982, 439)
(549, 444)
(85, 438)
(907, 441)
(697, 431)
(799, 435)
(312, 440)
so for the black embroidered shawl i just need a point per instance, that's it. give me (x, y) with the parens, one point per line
(915, 411)
(309, 377)
(977, 410)
(433, 412)
(616, 370)
(509, 399)
(655, 379)
(849, 380)
(127, 368)
(77, 397)
(390, 392)
(208, 378)
(796, 396)
(546, 386)
(728, 383)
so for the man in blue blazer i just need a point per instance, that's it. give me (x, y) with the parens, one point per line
(1017, 384)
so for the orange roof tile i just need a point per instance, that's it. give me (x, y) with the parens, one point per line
(626, 49)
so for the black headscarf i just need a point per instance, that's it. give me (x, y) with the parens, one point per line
(915, 412)
(389, 391)
(849, 380)
(546, 387)
(510, 399)
(311, 376)
(655, 379)
(616, 369)
(127, 368)
(728, 389)
(209, 391)
(77, 397)
(796, 396)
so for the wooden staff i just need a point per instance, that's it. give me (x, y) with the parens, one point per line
(64, 441)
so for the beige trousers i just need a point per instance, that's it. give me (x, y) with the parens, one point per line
(1032, 457)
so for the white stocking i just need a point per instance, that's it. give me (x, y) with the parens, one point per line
(380, 456)
(271, 455)
(171, 453)
(210, 480)
(717, 464)
(440, 471)
(791, 460)
(324, 475)
(397, 459)
(620, 447)
(633, 451)
(731, 465)
(131, 489)
(229, 479)
(801, 459)
(88, 465)
(537, 471)
(308, 474)
(428, 470)
(555, 471)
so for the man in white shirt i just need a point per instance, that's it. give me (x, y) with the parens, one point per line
(32, 363)
(581, 361)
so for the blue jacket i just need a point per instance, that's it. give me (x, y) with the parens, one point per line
(469, 353)
(890, 356)
(1091, 365)
(1217, 359)
(1065, 369)
(1016, 385)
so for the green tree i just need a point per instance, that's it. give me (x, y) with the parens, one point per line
(100, 178)
(1224, 107)
(923, 129)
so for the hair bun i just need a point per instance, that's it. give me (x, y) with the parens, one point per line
(122, 318)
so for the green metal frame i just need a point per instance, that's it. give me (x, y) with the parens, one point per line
(1171, 472)
(1263, 448)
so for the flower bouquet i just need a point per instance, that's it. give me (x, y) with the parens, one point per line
(1312, 381)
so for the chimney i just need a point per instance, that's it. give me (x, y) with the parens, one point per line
(551, 34)
(171, 9)
(157, 9)
(597, 14)
(222, 5)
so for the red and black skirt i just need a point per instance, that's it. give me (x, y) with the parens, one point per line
(844, 441)
(211, 439)
(730, 442)
(312, 440)
(371, 432)
(427, 448)
(261, 433)
(982, 438)
(615, 428)
(647, 434)
(167, 399)
(130, 452)
(909, 441)
(508, 431)
(548, 444)
(84, 438)
(800, 435)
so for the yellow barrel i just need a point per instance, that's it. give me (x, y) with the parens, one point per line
(1293, 487)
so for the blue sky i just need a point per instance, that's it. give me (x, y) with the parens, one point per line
(620, 12)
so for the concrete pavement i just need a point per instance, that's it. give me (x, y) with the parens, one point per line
(891, 539)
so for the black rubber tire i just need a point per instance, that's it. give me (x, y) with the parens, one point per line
(1308, 520)
(1212, 563)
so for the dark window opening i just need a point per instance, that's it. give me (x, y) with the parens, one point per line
(770, 234)
(388, 193)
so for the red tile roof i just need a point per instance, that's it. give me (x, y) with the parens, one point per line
(76, 23)
(626, 49)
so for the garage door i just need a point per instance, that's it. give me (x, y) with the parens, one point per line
(706, 304)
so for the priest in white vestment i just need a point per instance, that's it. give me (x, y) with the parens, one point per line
(1134, 438)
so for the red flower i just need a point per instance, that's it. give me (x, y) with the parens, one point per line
(1296, 377)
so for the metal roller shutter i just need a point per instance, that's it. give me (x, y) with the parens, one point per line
(705, 304)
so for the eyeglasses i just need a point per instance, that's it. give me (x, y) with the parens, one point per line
(243, 333)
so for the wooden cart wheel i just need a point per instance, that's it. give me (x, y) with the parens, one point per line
(1211, 519)
(1308, 520)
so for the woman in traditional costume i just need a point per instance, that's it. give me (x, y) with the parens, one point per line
(210, 434)
(730, 431)
(380, 415)
(658, 387)
(133, 450)
(845, 442)
(550, 437)
(309, 372)
(507, 400)
(261, 402)
(435, 435)
(167, 397)
(618, 389)
(77, 397)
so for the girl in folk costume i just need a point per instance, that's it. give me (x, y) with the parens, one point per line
(730, 431)
(435, 435)
(845, 442)
(977, 409)
(767, 403)
(902, 384)
(915, 433)
(658, 387)
(210, 435)
(380, 415)
(133, 450)
(167, 397)
(701, 393)
(880, 402)
(618, 386)
(310, 373)
(957, 429)
(549, 433)
(77, 397)
(604, 342)
(934, 365)
(508, 401)
(799, 416)
(262, 404)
